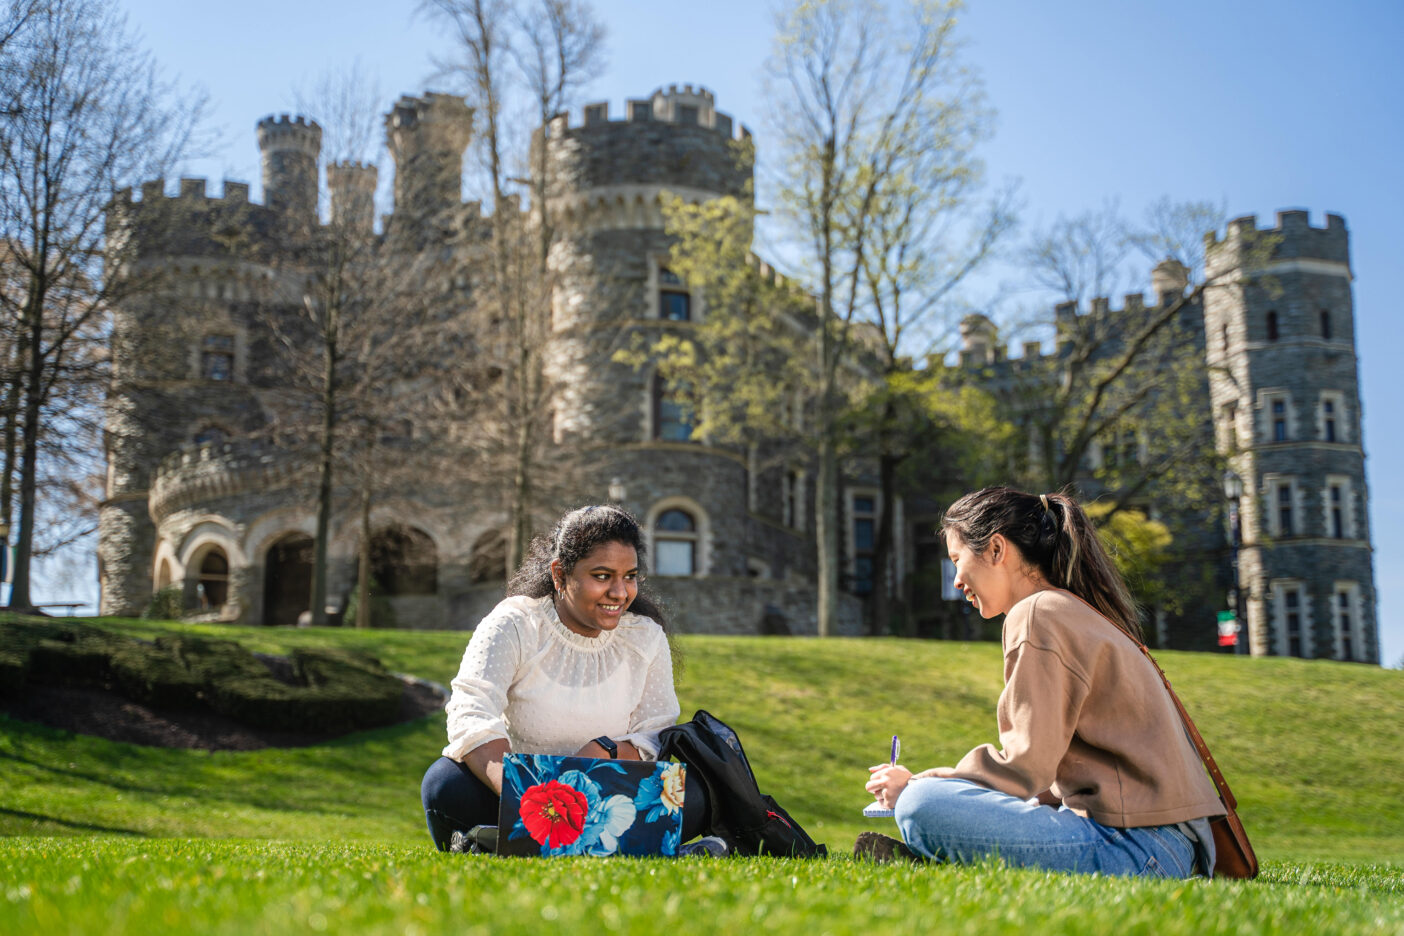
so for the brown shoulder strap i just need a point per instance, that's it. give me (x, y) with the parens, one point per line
(1219, 782)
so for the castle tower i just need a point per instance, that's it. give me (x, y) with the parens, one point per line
(290, 149)
(1280, 345)
(185, 354)
(1168, 280)
(605, 187)
(427, 136)
(978, 337)
(352, 188)
(611, 277)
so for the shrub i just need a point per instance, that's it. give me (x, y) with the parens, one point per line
(342, 691)
(382, 611)
(17, 639)
(153, 675)
(74, 655)
(334, 690)
(168, 604)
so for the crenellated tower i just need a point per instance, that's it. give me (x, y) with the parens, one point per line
(606, 181)
(352, 189)
(605, 187)
(290, 148)
(188, 352)
(427, 136)
(1285, 389)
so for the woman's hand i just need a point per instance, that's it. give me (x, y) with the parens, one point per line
(887, 783)
(627, 751)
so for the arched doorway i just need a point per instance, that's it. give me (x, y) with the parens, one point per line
(212, 585)
(287, 580)
(488, 561)
(404, 561)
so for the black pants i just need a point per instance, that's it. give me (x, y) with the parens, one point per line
(455, 799)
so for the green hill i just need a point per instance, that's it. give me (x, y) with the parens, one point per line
(1314, 750)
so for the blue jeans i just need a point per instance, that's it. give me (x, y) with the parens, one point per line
(959, 821)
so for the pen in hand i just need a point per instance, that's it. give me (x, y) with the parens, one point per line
(896, 749)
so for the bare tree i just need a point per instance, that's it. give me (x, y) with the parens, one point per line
(532, 56)
(865, 108)
(85, 114)
(367, 354)
(1121, 375)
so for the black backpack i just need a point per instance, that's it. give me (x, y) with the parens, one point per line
(750, 821)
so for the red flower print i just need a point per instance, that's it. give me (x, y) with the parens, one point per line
(553, 813)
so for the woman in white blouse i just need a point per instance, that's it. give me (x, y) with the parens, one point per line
(574, 661)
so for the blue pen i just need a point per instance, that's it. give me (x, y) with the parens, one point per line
(896, 749)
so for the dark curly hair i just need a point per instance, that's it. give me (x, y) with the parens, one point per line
(572, 539)
(1055, 535)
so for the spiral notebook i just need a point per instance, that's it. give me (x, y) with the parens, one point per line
(875, 811)
(555, 805)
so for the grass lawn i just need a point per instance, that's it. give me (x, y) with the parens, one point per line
(102, 837)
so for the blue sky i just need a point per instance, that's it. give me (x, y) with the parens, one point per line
(1260, 104)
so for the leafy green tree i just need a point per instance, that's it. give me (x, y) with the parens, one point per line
(935, 435)
(876, 121)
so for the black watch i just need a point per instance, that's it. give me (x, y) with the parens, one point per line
(609, 746)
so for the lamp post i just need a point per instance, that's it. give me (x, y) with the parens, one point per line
(616, 491)
(1233, 492)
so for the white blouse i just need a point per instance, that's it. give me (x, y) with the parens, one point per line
(530, 679)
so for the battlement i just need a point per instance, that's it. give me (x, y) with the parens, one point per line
(191, 190)
(284, 132)
(683, 105)
(675, 140)
(353, 174)
(444, 112)
(1296, 237)
(979, 336)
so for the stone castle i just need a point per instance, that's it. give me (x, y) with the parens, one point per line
(1281, 387)
(196, 501)
(199, 501)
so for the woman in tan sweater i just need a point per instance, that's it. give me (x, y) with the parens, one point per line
(1094, 771)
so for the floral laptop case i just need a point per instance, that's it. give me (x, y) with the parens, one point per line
(555, 805)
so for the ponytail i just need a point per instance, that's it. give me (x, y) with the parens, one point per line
(1054, 534)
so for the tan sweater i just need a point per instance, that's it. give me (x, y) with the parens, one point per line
(1085, 715)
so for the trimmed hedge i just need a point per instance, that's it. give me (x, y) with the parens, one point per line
(331, 691)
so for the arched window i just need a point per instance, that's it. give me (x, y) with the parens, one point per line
(1326, 324)
(1272, 325)
(212, 587)
(404, 561)
(675, 543)
(672, 414)
(488, 560)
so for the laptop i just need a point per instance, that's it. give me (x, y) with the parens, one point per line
(556, 805)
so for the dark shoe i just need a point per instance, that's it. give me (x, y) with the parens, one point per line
(883, 848)
(708, 846)
(479, 840)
